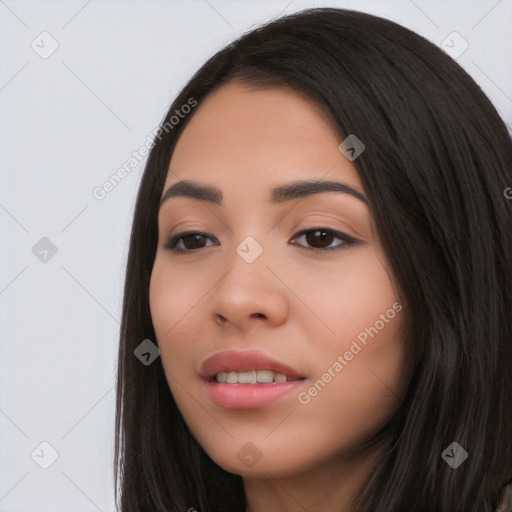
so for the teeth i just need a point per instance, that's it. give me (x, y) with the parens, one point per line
(251, 377)
(232, 378)
(265, 376)
(247, 377)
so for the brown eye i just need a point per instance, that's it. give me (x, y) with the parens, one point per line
(324, 238)
(192, 240)
(320, 239)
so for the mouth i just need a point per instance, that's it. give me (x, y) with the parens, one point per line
(251, 377)
(247, 379)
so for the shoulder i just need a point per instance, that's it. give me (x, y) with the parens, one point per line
(505, 499)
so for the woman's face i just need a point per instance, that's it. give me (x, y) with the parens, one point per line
(250, 285)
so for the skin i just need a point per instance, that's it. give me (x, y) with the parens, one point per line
(301, 307)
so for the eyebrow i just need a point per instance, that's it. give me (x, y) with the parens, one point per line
(280, 194)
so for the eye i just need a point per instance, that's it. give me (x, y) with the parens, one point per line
(324, 238)
(193, 240)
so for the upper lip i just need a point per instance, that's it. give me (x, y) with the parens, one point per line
(235, 360)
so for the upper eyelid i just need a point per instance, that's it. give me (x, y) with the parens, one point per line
(317, 217)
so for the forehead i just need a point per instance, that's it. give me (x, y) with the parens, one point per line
(270, 115)
(243, 135)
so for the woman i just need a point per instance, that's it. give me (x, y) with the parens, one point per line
(321, 252)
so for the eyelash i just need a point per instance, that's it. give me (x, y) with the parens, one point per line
(348, 241)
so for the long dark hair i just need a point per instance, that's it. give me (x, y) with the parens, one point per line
(438, 159)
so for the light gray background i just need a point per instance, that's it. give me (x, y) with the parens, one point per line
(69, 121)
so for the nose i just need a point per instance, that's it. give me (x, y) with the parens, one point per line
(250, 293)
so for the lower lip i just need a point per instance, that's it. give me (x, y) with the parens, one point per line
(249, 396)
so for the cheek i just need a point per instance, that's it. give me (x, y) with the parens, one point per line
(354, 397)
(345, 300)
(172, 300)
(363, 376)
(172, 297)
(356, 369)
